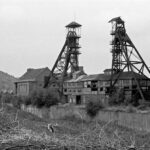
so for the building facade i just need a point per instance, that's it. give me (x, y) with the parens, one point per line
(30, 81)
(83, 88)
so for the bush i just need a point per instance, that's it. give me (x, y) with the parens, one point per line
(6, 98)
(42, 98)
(93, 107)
(27, 100)
(17, 101)
(131, 109)
(117, 97)
(50, 99)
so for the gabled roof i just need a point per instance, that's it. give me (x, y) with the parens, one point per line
(32, 74)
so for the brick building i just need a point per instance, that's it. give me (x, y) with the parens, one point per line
(31, 80)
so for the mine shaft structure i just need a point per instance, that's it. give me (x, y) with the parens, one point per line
(67, 61)
(125, 56)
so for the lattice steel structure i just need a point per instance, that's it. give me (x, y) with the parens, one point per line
(125, 56)
(67, 62)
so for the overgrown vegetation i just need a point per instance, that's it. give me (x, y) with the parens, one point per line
(93, 107)
(20, 130)
(39, 98)
(117, 97)
(43, 98)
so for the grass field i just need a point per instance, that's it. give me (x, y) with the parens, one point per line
(23, 131)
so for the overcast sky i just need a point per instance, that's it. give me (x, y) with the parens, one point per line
(32, 32)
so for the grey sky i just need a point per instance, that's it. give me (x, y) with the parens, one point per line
(32, 32)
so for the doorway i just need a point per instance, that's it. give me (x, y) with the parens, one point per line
(78, 99)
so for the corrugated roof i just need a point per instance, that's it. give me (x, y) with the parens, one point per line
(32, 74)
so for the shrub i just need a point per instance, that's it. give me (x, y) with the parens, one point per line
(117, 97)
(27, 100)
(40, 101)
(50, 99)
(17, 101)
(42, 98)
(131, 109)
(6, 98)
(93, 107)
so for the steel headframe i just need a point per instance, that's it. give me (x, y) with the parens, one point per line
(125, 56)
(67, 61)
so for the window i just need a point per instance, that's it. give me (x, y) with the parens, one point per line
(107, 82)
(79, 90)
(101, 89)
(85, 84)
(69, 84)
(65, 84)
(126, 87)
(54, 85)
(94, 86)
(125, 81)
(65, 90)
(88, 84)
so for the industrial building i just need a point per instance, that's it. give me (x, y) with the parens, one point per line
(81, 89)
(31, 80)
(127, 71)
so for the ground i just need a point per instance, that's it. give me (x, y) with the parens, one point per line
(23, 131)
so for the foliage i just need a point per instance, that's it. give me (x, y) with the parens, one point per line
(11, 99)
(93, 107)
(130, 109)
(17, 101)
(6, 98)
(27, 100)
(135, 99)
(39, 98)
(117, 97)
(43, 98)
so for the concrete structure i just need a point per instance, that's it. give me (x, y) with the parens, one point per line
(83, 88)
(31, 80)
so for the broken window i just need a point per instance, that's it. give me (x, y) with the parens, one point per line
(94, 85)
(126, 87)
(88, 84)
(65, 90)
(107, 90)
(101, 89)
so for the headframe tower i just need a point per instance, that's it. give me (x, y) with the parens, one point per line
(67, 61)
(125, 56)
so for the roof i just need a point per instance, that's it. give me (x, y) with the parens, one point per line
(73, 25)
(104, 77)
(32, 74)
(96, 77)
(117, 19)
(129, 75)
(76, 79)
